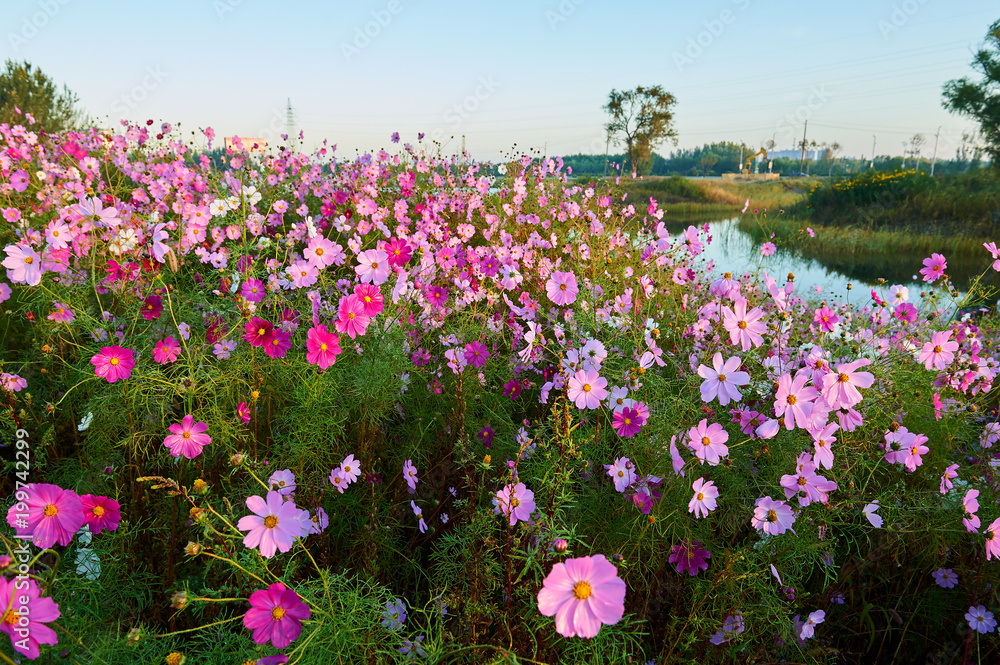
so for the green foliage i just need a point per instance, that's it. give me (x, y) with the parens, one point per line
(980, 100)
(24, 87)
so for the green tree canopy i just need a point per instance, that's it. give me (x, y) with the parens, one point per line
(24, 87)
(641, 119)
(981, 100)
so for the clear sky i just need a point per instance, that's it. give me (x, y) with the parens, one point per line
(530, 73)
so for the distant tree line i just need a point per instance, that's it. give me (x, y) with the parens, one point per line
(714, 159)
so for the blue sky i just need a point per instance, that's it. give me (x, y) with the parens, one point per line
(534, 74)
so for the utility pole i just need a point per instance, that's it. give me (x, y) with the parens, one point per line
(934, 158)
(873, 152)
(463, 149)
(904, 155)
(802, 159)
(739, 166)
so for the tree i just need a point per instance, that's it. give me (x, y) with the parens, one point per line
(640, 119)
(981, 100)
(28, 89)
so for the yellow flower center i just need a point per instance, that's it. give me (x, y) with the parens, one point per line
(562, 287)
(114, 361)
(937, 349)
(705, 441)
(843, 378)
(772, 516)
(261, 331)
(701, 496)
(742, 325)
(581, 590)
(98, 511)
(375, 266)
(347, 469)
(792, 399)
(586, 387)
(722, 377)
(29, 260)
(319, 251)
(322, 347)
(187, 435)
(50, 510)
(10, 617)
(727, 275)
(278, 613)
(270, 521)
(514, 503)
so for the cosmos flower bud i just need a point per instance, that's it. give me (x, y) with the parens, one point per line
(192, 548)
(179, 600)
(560, 545)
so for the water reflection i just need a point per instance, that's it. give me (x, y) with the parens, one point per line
(735, 251)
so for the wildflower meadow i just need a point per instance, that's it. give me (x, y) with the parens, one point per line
(287, 407)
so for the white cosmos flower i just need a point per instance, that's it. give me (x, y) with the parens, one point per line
(85, 422)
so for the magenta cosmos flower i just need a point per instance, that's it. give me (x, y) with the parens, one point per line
(352, 319)
(722, 380)
(166, 351)
(322, 347)
(708, 442)
(276, 615)
(583, 594)
(562, 288)
(258, 331)
(934, 267)
(113, 363)
(689, 557)
(476, 354)
(274, 526)
(101, 513)
(371, 297)
(48, 513)
(516, 502)
(586, 389)
(939, 352)
(279, 344)
(25, 621)
(188, 438)
(744, 327)
(627, 422)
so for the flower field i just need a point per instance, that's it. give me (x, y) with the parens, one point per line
(407, 408)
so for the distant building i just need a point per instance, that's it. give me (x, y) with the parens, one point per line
(252, 144)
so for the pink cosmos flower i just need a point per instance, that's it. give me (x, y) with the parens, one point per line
(166, 351)
(905, 312)
(708, 442)
(622, 472)
(352, 318)
(822, 442)
(152, 307)
(826, 318)
(373, 267)
(320, 252)
(809, 628)
(410, 475)
(689, 557)
(243, 411)
(722, 380)
(767, 249)
(350, 469)
(253, 290)
(113, 363)
(371, 298)
(869, 512)
(100, 513)
(939, 352)
(322, 347)
(993, 539)
(938, 405)
(794, 400)
(744, 327)
(23, 264)
(970, 504)
(282, 482)
(274, 524)
(562, 288)
(934, 267)
(587, 389)
(773, 517)
(915, 448)
(276, 615)
(419, 513)
(732, 627)
(945, 578)
(516, 502)
(19, 180)
(583, 593)
(62, 314)
(991, 247)
(54, 515)
(949, 473)
(337, 479)
(627, 422)
(188, 438)
(27, 630)
(840, 390)
(704, 500)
